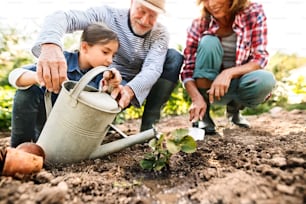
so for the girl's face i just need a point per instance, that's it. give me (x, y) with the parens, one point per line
(218, 8)
(142, 18)
(100, 54)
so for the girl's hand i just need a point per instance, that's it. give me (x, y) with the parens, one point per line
(111, 82)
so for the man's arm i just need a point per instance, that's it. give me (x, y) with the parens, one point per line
(152, 67)
(52, 67)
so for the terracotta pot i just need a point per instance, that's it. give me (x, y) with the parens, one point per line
(21, 162)
(32, 148)
(2, 157)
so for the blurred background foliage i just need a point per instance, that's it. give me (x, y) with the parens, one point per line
(12, 55)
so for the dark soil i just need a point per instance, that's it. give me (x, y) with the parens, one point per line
(265, 164)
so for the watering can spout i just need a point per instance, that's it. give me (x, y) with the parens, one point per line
(120, 144)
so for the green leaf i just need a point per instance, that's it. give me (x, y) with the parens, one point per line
(172, 147)
(188, 144)
(179, 134)
(152, 143)
(147, 164)
(160, 140)
(163, 152)
(149, 156)
(159, 165)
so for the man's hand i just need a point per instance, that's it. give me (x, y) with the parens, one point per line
(126, 96)
(51, 67)
(111, 82)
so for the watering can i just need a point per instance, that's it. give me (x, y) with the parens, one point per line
(78, 122)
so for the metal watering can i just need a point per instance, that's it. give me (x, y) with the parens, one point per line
(79, 121)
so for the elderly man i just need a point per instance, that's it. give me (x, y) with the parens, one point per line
(149, 69)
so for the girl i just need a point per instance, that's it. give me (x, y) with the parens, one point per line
(98, 46)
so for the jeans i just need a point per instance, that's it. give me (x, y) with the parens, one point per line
(249, 90)
(172, 66)
(28, 116)
(162, 89)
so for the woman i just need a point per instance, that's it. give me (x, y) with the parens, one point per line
(224, 59)
(98, 46)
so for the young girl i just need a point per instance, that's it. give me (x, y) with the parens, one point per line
(98, 46)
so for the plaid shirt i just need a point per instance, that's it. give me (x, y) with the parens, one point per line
(251, 29)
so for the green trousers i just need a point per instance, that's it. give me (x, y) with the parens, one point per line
(249, 90)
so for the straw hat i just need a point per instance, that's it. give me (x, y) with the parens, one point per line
(155, 5)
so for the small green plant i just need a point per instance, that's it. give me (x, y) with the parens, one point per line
(165, 146)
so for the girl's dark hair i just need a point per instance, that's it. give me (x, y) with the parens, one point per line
(98, 33)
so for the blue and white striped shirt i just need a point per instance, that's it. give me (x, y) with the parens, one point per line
(139, 59)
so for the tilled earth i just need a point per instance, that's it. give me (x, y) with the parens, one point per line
(265, 164)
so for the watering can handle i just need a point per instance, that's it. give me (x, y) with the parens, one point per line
(76, 91)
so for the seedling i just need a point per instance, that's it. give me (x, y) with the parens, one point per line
(165, 146)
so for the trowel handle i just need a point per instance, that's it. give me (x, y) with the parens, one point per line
(48, 102)
(76, 91)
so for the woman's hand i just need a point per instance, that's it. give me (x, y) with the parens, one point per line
(220, 86)
(197, 109)
(198, 106)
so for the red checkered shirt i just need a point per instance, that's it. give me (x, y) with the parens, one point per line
(251, 28)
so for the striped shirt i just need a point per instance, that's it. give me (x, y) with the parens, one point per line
(251, 29)
(139, 59)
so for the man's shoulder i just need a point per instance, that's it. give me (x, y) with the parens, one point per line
(159, 34)
(115, 11)
(159, 28)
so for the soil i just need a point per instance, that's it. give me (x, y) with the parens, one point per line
(264, 165)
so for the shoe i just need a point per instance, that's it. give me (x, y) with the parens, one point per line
(233, 115)
(238, 120)
(155, 101)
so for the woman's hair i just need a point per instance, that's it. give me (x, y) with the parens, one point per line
(98, 33)
(236, 6)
